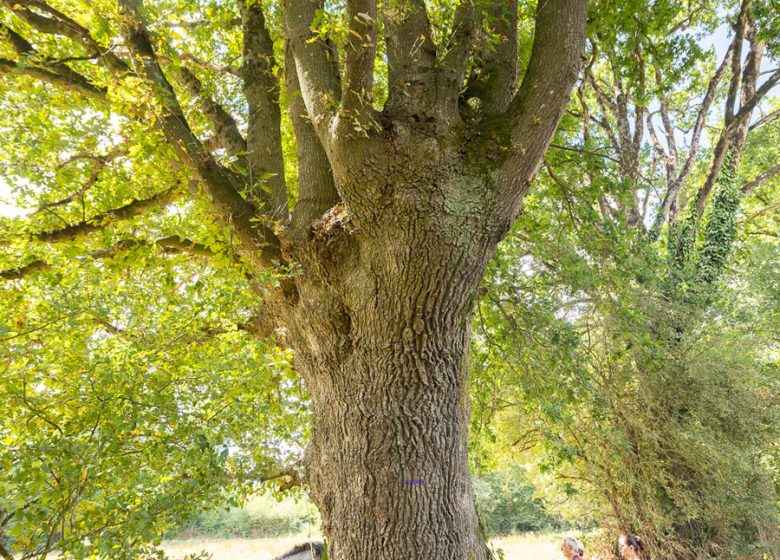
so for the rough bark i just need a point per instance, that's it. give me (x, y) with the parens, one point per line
(494, 80)
(411, 55)
(379, 318)
(380, 328)
(261, 89)
(316, 187)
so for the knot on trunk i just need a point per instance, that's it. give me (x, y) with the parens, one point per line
(332, 243)
(333, 222)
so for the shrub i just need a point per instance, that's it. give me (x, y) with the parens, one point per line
(506, 503)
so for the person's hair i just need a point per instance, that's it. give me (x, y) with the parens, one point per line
(575, 545)
(634, 541)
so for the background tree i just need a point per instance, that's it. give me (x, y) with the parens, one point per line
(649, 386)
(129, 132)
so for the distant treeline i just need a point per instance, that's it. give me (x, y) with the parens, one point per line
(242, 523)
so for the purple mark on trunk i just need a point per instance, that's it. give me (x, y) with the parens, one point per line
(414, 481)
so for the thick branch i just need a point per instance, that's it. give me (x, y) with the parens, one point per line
(224, 125)
(673, 189)
(747, 107)
(537, 108)
(229, 69)
(495, 76)
(259, 243)
(316, 187)
(57, 23)
(716, 165)
(734, 134)
(32, 56)
(316, 63)
(170, 245)
(736, 61)
(459, 47)
(294, 479)
(173, 244)
(78, 85)
(411, 57)
(264, 136)
(101, 221)
(359, 59)
(25, 270)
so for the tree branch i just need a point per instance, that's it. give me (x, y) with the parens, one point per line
(766, 210)
(186, 57)
(747, 107)
(411, 57)
(102, 161)
(57, 23)
(666, 121)
(673, 189)
(736, 129)
(495, 77)
(258, 242)
(25, 270)
(765, 176)
(535, 111)
(766, 119)
(458, 48)
(264, 136)
(78, 85)
(605, 104)
(359, 61)
(130, 210)
(665, 157)
(316, 187)
(200, 22)
(224, 125)
(25, 50)
(736, 61)
(316, 63)
(173, 244)
(290, 472)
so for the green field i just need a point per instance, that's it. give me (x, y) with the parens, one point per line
(543, 546)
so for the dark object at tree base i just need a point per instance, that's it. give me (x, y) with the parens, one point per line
(306, 551)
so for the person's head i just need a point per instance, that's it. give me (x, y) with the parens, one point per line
(571, 547)
(631, 547)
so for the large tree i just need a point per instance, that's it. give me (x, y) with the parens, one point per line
(413, 149)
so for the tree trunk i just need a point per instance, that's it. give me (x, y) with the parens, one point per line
(380, 326)
(387, 463)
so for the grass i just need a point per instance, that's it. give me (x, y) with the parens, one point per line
(530, 546)
(540, 546)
